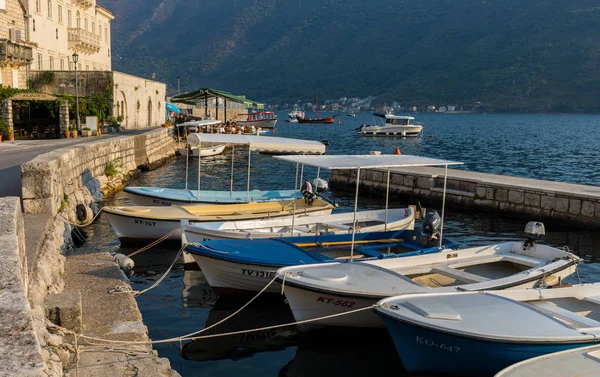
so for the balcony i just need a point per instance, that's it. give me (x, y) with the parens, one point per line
(83, 41)
(12, 52)
(84, 3)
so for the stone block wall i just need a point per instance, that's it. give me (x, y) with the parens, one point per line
(531, 199)
(139, 101)
(19, 347)
(84, 173)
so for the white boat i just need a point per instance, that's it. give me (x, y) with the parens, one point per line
(148, 223)
(394, 125)
(274, 145)
(479, 334)
(156, 196)
(262, 119)
(204, 151)
(339, 223)
(581, 361)
(311, 290)
(294, 115)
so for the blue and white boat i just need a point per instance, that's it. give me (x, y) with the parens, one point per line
(238, 266)
(158, 196)
(481, 333)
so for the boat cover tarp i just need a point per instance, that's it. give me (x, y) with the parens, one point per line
(173, 108)
(261, 143)
(366, 161)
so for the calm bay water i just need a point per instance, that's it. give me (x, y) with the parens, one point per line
(552, 147)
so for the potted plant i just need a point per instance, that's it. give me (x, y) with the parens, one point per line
(86, 132)
(11, 135)
(168, 123)
(73, 132)
(113, 124)
(2, 128)
(67, 133)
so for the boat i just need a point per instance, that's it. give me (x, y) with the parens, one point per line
(394, 125)
(149, 223)
(294, 115)
(509, 265)
(481, 333)
(339, 223)
(316, 119)
(262, 119)
(351, 115)
(275, 145)
(240, 267)
(203, 152)
(582, 361)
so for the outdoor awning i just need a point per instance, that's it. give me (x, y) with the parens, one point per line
(268, 144)
(173, 108)
(198, 97)
(366, 161)
(33, 97)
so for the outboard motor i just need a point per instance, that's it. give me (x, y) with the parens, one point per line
(307, 191)
(534, 231)
(320, 184)
(432, 223)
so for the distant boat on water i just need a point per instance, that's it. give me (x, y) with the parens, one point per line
(352, 115)
(262, 119)
(326, 120)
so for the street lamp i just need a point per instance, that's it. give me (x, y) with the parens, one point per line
(75, 60)
(178, 87)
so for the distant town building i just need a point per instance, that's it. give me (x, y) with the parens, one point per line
(442, 109)
(451, 108)
(431, 108)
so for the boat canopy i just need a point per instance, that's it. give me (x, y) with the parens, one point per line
(264, 144)
(366, 161)
(200, 123)
(393, 116)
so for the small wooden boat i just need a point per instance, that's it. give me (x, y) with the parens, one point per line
(316, 119)
(147, 223)
(583, 361)
(509, 265)
(242, 266)
(479, 334)
(204, 151)
(339, 223)
(157, 196)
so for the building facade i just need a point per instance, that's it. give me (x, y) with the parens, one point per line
(15, 52)
(58, 28)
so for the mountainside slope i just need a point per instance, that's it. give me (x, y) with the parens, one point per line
(535, 55)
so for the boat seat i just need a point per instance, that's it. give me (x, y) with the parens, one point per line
(460, 275)
(566, 314)
(593, 299)
(337, 225)
(522, 259)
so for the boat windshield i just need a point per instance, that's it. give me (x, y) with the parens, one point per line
(401, 122)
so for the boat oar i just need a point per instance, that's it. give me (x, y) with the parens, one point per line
(336, 243)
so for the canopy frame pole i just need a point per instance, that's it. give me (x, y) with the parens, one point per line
(232, 157)
(387, 200)
(354, 218)
(248, 184)
(188, 150)
(302, 174)
(318, 172)
(443, 205)
(294, 199)
(199, 164)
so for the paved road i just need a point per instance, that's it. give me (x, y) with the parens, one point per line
(15, 153)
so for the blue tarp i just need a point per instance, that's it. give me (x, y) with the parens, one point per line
(173, 108)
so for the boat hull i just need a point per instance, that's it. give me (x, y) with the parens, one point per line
(404, 131)
(131, 229)
(425, 351)
(327, 120)
(262, 123)
(229, 278)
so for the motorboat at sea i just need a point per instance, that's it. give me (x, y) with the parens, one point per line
(481, 333)
(234, 267)
(149, 223)
(393, 125)
(310, 290)
(339, 223)
(262, 119)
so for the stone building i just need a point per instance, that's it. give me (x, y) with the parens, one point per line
(61, 27)
(15, 52)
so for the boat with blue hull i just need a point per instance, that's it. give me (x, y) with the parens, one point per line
(238, 266)
(479, 334)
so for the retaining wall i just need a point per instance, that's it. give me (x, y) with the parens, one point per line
(571, 204)
(83, 173)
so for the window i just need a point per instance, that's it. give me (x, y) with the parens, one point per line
(93, 27)
(62, 64)
(78, 20)
(79, 66)
(86, 24)
(37, 6)
(3, 4)
(49, 8)
(87, 67)
(100, 31)
(60, 20)
(39, 61)
(69, 23)
(70, 65)
(109, 52)
(51, 63)
(106, 34)
(56, 33)
(15, 78)
(33, 25)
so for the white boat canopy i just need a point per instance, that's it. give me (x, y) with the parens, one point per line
(199, 123)
(358, 162)
(261, 143)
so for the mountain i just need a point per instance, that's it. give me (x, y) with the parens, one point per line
(512, 55)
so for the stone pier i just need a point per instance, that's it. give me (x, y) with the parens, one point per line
(553, 202)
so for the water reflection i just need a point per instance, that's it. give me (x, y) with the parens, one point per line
(196, 292)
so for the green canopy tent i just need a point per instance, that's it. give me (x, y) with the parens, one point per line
(202, 95)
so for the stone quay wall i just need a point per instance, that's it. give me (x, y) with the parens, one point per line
(85, 173)
(554, 202)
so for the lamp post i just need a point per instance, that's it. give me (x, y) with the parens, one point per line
(75, 60)
(178, 87)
